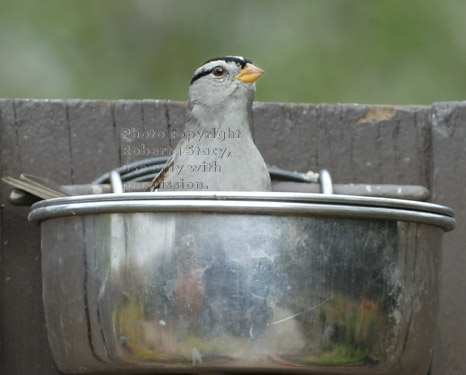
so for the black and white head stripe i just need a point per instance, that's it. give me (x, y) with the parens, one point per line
(209, 65)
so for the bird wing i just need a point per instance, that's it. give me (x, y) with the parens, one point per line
(160, 177)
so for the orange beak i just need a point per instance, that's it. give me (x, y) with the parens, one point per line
(250, 73)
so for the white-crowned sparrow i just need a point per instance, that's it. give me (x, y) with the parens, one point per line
(217, 151)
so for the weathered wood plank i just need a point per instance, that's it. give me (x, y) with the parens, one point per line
(406, 144)
(356, 143)
(142, 127)
(7, 156)
(128, 116)
(24, 349)
(365, 160)
(10, 153)
(334, 140)
(156, 122)
(449, 188)
(285, 134)
(93, 138)
(41, 128)
(176, 116)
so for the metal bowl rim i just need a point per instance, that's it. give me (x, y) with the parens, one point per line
(254, 196)
(255, 207)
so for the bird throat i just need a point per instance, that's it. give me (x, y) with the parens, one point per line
(222, 123)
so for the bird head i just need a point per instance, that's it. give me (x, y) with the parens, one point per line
(224, 82)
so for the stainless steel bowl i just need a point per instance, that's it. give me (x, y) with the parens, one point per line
(241, 282)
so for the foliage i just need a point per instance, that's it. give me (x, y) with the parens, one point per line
(393, 52)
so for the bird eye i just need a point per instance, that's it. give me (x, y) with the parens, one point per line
(218, 71)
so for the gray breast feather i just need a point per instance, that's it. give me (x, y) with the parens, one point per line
(213, 164)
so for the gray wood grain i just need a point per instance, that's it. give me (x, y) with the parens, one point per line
(128, 116)
(24, 338)
(93, 138)
(41, 125)
(357, 143)
(449, 188)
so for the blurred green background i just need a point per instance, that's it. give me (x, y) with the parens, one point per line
(364, 51)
